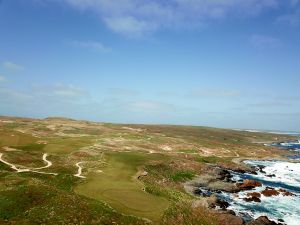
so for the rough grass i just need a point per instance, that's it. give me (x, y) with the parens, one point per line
(28, 198)
(183, 213)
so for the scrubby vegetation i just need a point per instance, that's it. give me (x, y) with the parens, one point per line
(131, 174)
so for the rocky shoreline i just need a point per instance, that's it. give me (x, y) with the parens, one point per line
(219, 180)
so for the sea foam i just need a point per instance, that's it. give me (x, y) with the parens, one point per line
(276, 174)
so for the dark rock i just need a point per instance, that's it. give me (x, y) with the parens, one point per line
(223, 174)
(246, 217)
(260, 168)
(202, 192)
(226, 218)
(262, 220)
(268, 192)
(252, 199)
(240, 171)
(249, 184)
(253, 170)
(222, 204)
(231, 212)
(254, 194)
(271, 175)
(285, 192)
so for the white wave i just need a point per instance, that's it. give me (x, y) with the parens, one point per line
(285, 172)
(275, 207)
(290, 133)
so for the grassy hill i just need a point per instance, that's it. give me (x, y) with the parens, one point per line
(131, 174)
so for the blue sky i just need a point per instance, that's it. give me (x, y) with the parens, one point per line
(222, 63)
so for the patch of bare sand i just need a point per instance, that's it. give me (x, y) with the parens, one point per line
(133, 129)
(166, 147)
(9, 149)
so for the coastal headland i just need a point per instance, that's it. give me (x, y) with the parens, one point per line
(65, 171)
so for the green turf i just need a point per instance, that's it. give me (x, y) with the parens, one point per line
(30, 147)
(65, 145)
(117, 186)
(182, 176)
(14, 138)
(188, 151)
(31, 198)
(208, 159)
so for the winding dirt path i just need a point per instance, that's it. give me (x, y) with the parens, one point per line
(78, 174)
(33, 170)
(12, 165)
(236, 154)
(49, 163)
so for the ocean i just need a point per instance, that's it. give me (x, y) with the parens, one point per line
(274, 174)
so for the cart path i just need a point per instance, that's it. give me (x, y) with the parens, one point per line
(78, 174)
(21, 170)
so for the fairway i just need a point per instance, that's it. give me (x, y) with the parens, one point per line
(15, 138)
(66, 145)
(116, 186)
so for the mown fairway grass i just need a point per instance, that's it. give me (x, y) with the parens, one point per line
(15, 138)
(65, 145)
(117, 187)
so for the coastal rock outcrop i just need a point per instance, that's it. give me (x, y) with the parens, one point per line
(227, 218)
(268, 192)
(249, 184)
(285, 192)
(254, 194)
(263, 220)
(215, 180)
(253, 197)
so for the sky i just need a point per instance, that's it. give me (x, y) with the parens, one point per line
(220, 63)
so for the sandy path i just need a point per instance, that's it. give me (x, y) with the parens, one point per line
(13, 166)
(49, 163)
(19, 170)
(236, 154)
(78, 174)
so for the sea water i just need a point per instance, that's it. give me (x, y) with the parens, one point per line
(276, 174)
(292, 146)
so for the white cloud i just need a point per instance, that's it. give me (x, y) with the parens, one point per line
(262, 41)
(130, 26)
(15, 97)
(214, 93)
(12, 66)
(292, 19)
(123, 92)
(268, 104)
(41, 100)
(68, 91)
(92, 45)
(139, 17)
(2, 78)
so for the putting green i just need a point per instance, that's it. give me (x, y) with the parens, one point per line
(118, 188)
